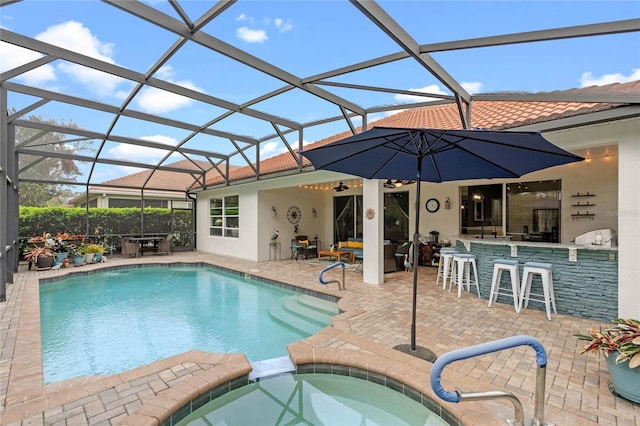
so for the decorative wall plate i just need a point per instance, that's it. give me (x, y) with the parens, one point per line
(294, 214)
(371, 213)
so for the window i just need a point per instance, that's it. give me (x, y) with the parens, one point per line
(224, 216)
(136, 202)
(532, 210)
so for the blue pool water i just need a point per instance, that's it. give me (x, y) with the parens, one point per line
(313, 399)
(111, 321)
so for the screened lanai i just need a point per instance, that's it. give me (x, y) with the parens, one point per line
(205, 89)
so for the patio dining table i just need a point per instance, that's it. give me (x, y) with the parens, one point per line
(144, 241)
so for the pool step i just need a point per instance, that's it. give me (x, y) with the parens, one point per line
(321, 305)
(302, 313)
(293, 305)
(280, 314)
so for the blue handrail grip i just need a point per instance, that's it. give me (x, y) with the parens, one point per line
(481, 349)
(335, 265)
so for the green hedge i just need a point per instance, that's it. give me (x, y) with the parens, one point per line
(111, 223)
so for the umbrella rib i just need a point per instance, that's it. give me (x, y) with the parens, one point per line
(388, 139)
(454, 145)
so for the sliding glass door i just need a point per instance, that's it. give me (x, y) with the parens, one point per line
(396, 216)
(347, 217)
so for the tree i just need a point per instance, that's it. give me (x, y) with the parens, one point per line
(46, 169)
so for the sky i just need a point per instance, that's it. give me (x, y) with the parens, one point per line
(304, 38)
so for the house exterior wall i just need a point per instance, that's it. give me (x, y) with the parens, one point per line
(245, 246)
(628, 214)
(257, 221)
(615, 180)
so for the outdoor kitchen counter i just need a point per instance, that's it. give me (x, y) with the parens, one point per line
(585, 286)
(507, 241)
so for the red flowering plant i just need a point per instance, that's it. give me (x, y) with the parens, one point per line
(622, 338)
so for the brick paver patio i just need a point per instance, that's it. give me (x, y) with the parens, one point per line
(376, 319)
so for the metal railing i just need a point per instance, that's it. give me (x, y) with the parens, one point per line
(341, 286)
(485, 348)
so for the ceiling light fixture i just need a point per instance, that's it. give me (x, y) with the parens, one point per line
(397, 183)
(341, 187)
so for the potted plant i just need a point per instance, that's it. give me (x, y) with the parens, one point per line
(620, 345)
(94, 253)
(42, 256)
(61, 251)
(78, 253)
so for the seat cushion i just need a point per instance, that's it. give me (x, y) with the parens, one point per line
(510, 262)
(538, 265)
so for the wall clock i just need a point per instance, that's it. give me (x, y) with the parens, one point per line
(293, 214)
(432, 205)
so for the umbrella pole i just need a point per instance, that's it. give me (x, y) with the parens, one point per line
(416, 255)
(412, 349)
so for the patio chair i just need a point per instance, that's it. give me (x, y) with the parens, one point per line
(164, 246)
(302, 247)
(129, 248)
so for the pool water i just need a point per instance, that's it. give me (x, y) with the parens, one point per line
(111, 321)
(313, 399)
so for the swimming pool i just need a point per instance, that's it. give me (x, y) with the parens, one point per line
(110, 321)
(313, 399)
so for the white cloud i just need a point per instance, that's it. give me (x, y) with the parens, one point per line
(15, 56)
(76, 37)
(142, 154)
(283, 26)
(427, 89)
(244, 17)
(157, 101)
(588, 79)
(252, 36)
(270, 149)
(471, 87)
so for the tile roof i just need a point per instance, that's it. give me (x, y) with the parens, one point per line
(172, 181)
(487, 114)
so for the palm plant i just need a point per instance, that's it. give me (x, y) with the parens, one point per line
(623, 338)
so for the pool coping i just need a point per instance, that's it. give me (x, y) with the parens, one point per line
(321, 353)
(23, 400)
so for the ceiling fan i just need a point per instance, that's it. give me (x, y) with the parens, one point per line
(397, 183)
(341, 187)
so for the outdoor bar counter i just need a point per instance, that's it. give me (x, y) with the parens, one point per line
(585, 288)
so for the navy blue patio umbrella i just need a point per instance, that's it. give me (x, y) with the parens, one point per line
(437, 155)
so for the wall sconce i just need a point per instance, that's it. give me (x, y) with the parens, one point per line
(447, 204)
(314, 213)
(273, 211)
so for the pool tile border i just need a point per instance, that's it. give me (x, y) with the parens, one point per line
(194, 265)
(205, 398)
(381, 379)
(320, 368)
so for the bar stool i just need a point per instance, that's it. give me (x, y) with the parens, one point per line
(511, 266)
(462, 264)
(544, 270)
(445, 266)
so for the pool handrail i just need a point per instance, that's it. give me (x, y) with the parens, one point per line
(485, 348)
(335, 265)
